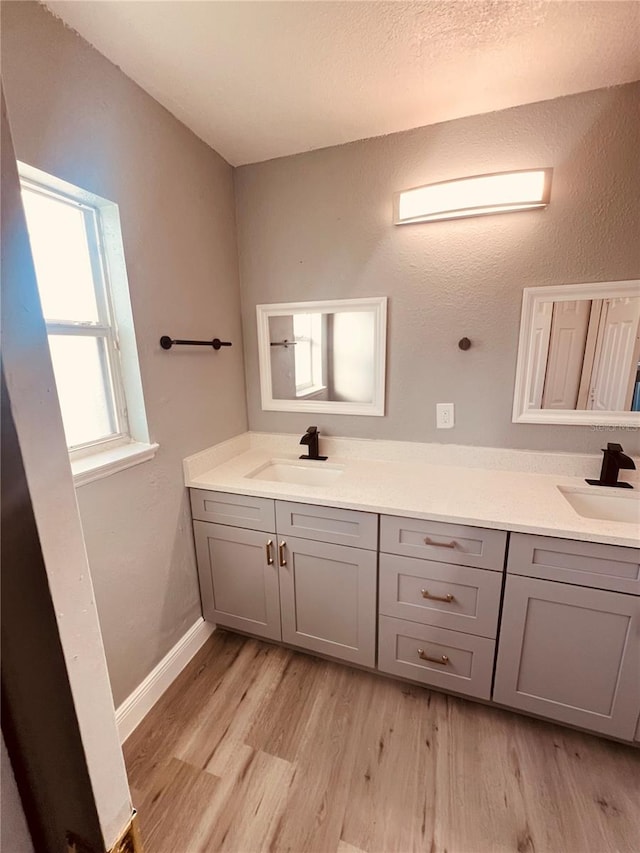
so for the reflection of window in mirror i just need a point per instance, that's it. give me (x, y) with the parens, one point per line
(309, 334)
(586, 355)
(327, 356)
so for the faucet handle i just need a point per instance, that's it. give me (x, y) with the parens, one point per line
(312, 430)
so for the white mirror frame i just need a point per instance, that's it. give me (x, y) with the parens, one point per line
(531, 298)
(376, 407)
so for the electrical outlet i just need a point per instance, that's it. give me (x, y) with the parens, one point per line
(445, 417)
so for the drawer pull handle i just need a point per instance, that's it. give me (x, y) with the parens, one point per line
(448, 597)
(429, 541)
(281, 557)
(268, 546)
(444, 660)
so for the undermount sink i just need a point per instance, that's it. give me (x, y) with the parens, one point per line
(605, 504)
(299, 472)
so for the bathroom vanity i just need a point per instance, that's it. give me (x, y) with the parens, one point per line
(384, 570)
(299, 573)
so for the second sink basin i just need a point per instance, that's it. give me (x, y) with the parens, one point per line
(605, 504)
(301, 472)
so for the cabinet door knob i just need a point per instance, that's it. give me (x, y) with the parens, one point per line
(268, 547)
(429, 541)
(281, 547)
(442, 660)
(448, 597)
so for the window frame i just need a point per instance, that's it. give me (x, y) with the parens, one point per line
(105, 329)
(130, 443)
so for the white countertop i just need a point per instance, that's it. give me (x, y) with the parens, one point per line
(516, 500)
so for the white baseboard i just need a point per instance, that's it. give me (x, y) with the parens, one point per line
(136, 706)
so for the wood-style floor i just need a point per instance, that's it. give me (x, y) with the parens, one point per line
(258, 748)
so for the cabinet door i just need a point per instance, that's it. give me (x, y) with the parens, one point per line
(238, 578)
(571, 654)
(328, 599)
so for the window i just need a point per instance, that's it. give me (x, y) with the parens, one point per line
(78, 258)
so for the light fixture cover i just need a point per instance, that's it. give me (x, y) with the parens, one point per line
(479, 195)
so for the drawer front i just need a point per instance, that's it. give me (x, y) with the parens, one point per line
(327, 524)
(583, 563)
(403, 647)
(441, 595)
(445, 543)
(234, 510)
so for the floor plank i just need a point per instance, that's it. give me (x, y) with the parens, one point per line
(154, 741)
(189, 792)
(255, 807)
(222, 722)
(259, 748)
(280, 725)
(393, 791)
(326, 756)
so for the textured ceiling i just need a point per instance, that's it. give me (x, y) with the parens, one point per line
(258, 80)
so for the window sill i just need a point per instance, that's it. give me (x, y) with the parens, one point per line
(308, 393)
(99, 465)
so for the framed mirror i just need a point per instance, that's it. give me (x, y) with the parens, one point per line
(323, 356)
(579, 354)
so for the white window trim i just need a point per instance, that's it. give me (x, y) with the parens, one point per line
(132, 444)
(102, 464)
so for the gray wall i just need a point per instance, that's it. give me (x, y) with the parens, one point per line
(75, 115)
(318, 226)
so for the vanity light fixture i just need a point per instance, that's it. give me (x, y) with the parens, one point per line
(479, 195)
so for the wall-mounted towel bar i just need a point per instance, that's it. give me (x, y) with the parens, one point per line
(166, 343)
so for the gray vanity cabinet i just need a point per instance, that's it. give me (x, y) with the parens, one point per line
(235, 552)
(567, 652)
(309, 589)
(238, 574)
(568, 644)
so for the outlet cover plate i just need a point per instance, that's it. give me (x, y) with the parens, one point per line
(445, 415)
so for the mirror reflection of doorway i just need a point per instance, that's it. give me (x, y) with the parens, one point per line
(593, 352)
